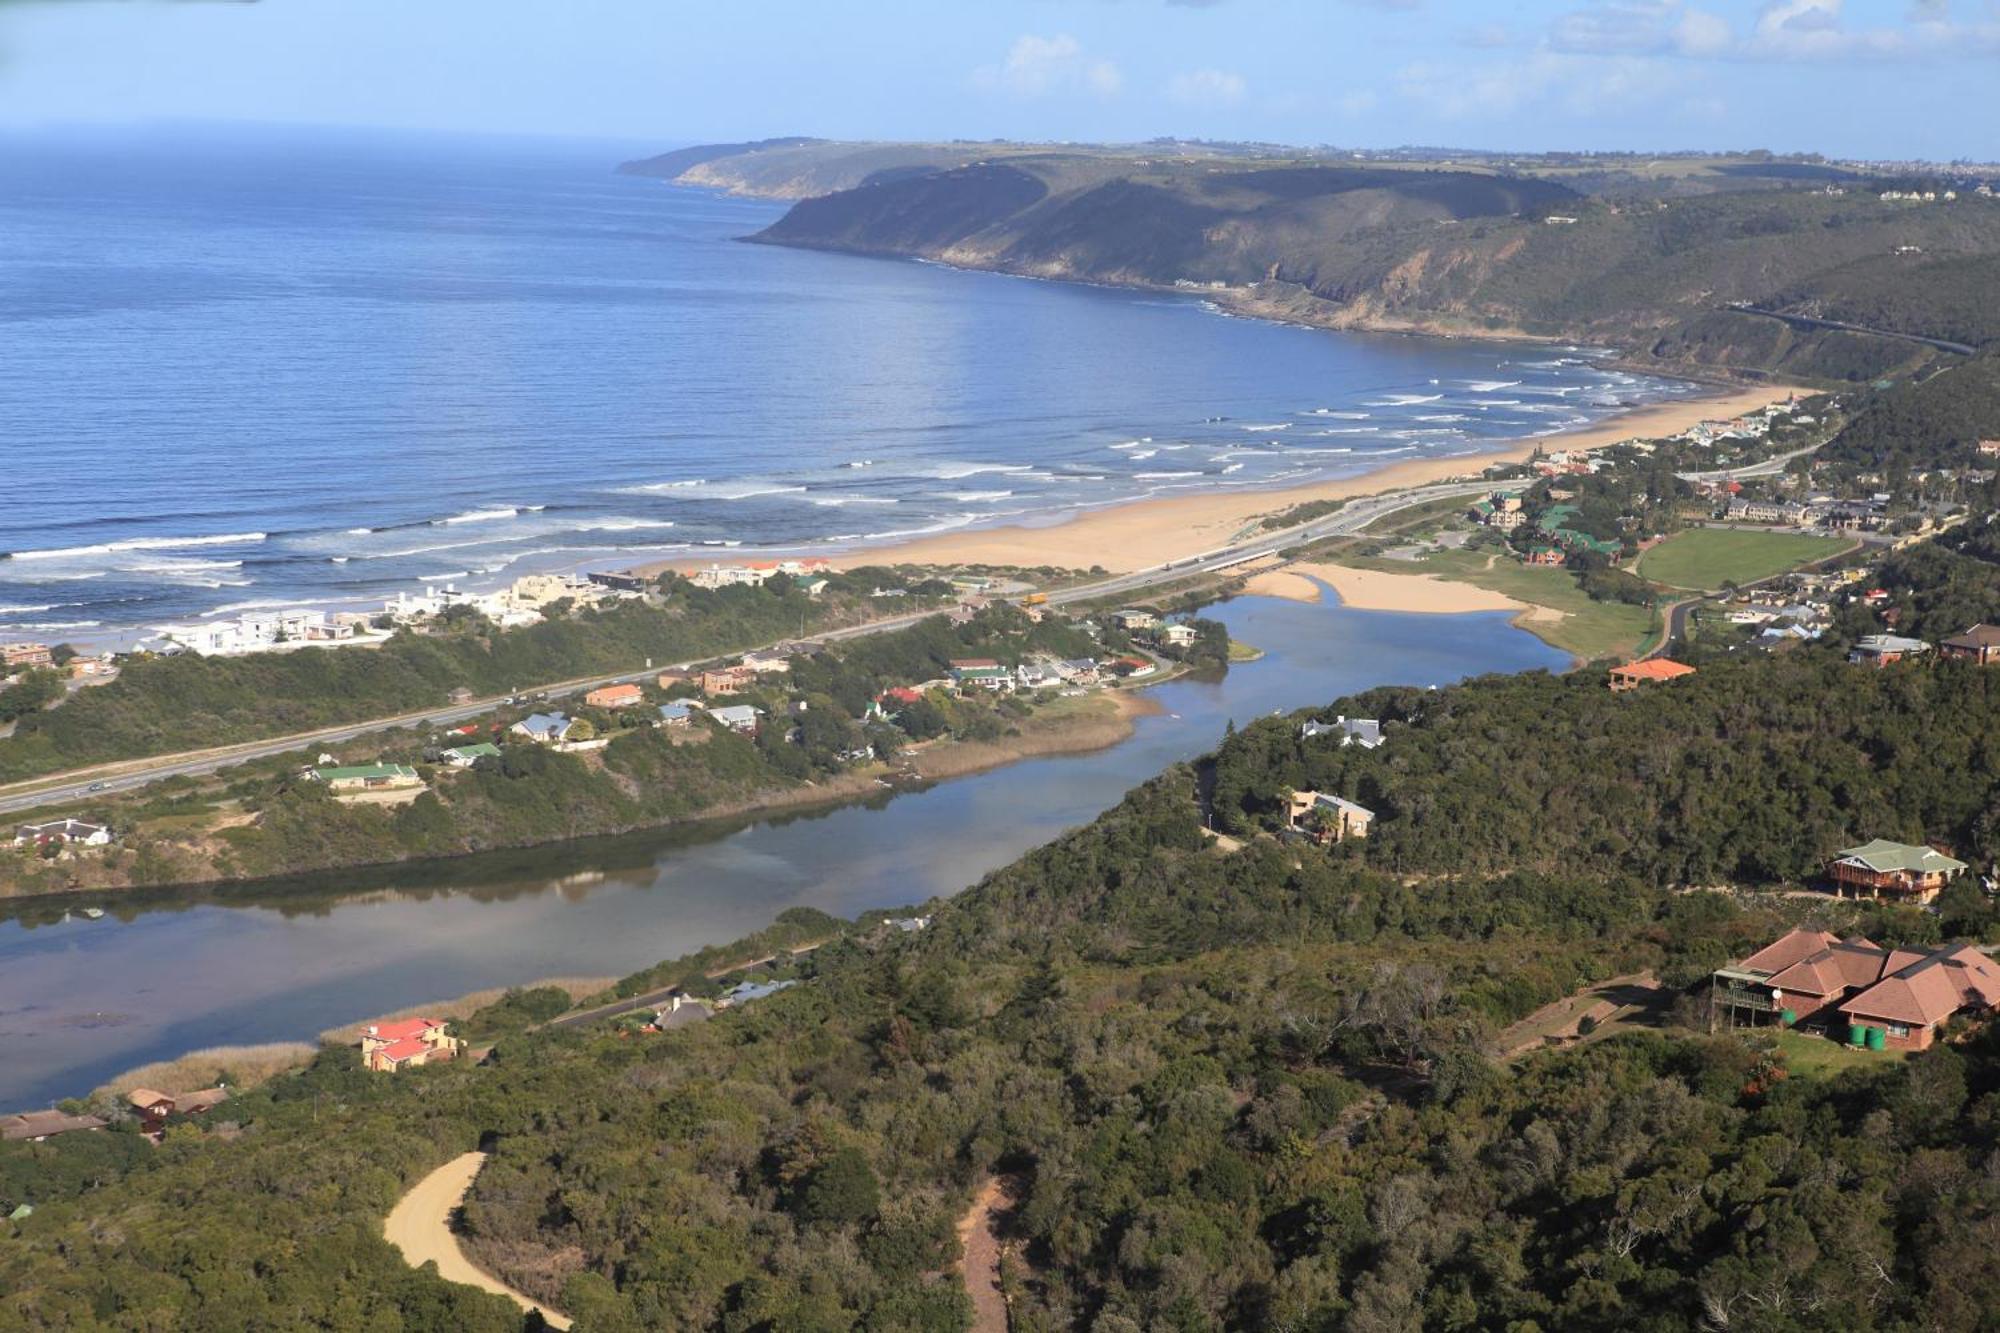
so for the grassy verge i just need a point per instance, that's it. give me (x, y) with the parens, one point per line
(1703, 559)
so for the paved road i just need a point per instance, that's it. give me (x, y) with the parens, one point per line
(84, 783)
(1809, 322)
(1764, 469)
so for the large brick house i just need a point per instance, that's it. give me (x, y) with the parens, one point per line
(1979, 644)
(404, 1042)
(1854, 985)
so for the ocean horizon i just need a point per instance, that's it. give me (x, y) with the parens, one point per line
(294, 370)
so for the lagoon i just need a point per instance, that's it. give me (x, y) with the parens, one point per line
(163, 974)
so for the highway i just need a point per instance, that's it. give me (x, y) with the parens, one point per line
(1769, 467)
(1813, 322)
(82, 784)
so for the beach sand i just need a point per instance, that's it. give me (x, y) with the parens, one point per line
(1372, 590)
(1145, 533)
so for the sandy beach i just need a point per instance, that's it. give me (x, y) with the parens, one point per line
(1372, 590)
(1150, 532)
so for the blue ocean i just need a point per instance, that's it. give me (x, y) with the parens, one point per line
(246, 371)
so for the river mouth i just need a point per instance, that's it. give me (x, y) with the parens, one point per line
(280, 960)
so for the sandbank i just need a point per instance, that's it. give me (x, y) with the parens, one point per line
(1373, 590)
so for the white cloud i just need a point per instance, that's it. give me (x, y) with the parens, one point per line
(1207, 88)
(1359, 102)
(1583, 85)
(1790, 30)
(1046, 66)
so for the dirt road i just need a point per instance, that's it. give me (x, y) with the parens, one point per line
(420, 1226)
(981, 1249)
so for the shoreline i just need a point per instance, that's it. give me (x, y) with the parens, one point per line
(1139, 534)
(1037, 739)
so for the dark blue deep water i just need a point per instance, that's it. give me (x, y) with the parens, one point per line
(251, 371)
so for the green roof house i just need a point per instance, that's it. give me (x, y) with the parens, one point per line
(1903, 872)
(368, 777)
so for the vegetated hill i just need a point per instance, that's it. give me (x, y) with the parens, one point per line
(671, 166)
(1452, 250)
(1252, 1089)
(1935, 423)
(1951, 296)
(801, 168)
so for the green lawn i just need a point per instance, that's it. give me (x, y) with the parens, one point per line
(1704, 559)
(1808, 1055)
(1586, 629)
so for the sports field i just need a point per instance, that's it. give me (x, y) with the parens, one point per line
(1706, 558)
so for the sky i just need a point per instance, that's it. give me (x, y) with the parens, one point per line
(1867, 78)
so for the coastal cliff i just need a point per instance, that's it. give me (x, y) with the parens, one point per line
(1756, 275)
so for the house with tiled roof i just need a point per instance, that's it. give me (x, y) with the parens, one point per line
(1852, 986)
(1980, 644)
(406, 1042)
(1650, 671)
(1910, 1005)
(1894, 869)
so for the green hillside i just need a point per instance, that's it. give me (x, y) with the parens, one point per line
(1468, 245)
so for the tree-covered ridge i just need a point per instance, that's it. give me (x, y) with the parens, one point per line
(1244, 1091)
(1752, 770)
(1935, 423)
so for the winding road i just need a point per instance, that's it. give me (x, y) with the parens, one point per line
(420, 1226)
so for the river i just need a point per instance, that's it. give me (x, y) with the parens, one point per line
(162, 974)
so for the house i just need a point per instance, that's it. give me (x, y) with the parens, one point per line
(1979, 644)
(1651, 671)
(1909, 1006)
(1544, 555)
(1134, 618)
(897, 696)
(16, 655)
(682, 1011)
(543, 728)
(615, 696)
(406, 1042)
(152, 1107)
(1880, 650)
(745, 991)
(34, 1126)
(201, 1101)
(1133, 667)
(1874, 996)
(368, 777)
(1177, 635)
(1912, 874)
(738, 717)
(980, 673)
(465, 756)
(1768, 511)
(909, 925)
(1328, 818)
(814, 586)
(69, 832)
(1036, 676)
(1365, 732)
(766, 664)
(1078, 670)
(726, 680)
(679, 713)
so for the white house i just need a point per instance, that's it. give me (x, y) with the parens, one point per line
(72, 832)
(1365, 732)
(544, 728)
(737, 717)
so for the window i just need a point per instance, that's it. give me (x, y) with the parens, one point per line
(1899, 1029)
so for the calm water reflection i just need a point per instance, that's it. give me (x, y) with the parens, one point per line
(81, 1000)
